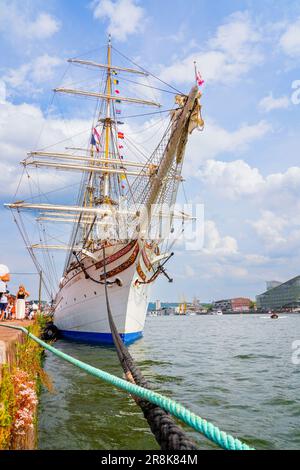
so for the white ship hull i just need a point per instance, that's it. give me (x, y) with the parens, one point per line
(81, 311)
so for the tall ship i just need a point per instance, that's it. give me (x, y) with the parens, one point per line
(116, 234)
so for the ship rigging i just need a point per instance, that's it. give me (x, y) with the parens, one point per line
(122, 203)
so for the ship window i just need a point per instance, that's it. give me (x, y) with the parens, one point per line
(85, 295)
(74, 299)
(95, 293)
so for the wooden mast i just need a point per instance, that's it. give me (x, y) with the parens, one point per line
(107, 121)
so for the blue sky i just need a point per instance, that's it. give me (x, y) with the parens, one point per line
(244, 167)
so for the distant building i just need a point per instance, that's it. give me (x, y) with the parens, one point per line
(286, 294)
(196, 307)
(157, 305)
(272, 284)
(239, 304)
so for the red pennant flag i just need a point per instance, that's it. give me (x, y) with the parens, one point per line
(199, 79)
(120, 135)
(117, 91)
(121, 146)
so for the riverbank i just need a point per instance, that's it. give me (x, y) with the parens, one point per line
(155, 313)
(21, 375)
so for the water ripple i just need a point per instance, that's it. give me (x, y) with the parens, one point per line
(235, 371)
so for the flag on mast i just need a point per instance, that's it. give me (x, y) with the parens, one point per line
(199, 79)
(122, 178)
(95, 139)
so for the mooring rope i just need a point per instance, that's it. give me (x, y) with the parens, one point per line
(209, 430)
(167, 433)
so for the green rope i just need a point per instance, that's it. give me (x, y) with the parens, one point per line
(209, 430)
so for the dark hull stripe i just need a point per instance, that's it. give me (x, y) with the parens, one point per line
(109, 260)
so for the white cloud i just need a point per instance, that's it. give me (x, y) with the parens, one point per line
(216, 140)
(268, 103)
(279, 234)
(190, 272)
(25, 78)
(228, 271)
(14, 144)
(290, 40)
(215, 244)
(236, 35)
(255, 260)
(16, 22)
(269, 227)
(16, 77)
(220, 256)
(237, 179)
(125, 17)
(282, 191)
(227, 56)
(42, 27)
(232, 178)
(2, 92)
(7, 178)
(43, 67)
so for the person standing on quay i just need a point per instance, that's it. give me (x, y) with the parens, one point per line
(3, 307)
(22, 294)
(4, 278)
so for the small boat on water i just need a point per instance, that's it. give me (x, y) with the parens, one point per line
(272, 314)
(217, 312)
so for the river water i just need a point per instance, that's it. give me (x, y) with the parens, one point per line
(236, 371)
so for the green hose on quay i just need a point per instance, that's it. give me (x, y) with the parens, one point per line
(209, 430)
